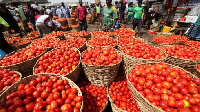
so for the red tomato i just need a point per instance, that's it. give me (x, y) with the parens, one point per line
(30, 106)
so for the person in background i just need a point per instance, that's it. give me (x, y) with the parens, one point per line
(121, 11)
(137, 17)
(31, 12)
(110, 16)
(45, 24)
(19, 10)
(58, 11)
(53, 10)
(8, 17)
(129, 16)
(64, 11)
(82, 12)
(3, 43)
(98, 11)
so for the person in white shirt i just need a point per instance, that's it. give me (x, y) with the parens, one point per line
(45, 24)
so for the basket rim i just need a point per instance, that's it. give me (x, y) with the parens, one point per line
(177, 57)
(128, 81)
(118, 53)
(20, 77)
(20, 62)
(100, 46)
(59, 74)
(166, 55)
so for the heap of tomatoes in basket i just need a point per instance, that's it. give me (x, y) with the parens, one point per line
(44, 94)
(124, 40)
(122, 97)
(124, 32)
(55, 34)
(170, 39)
(193, 44)
(21, 56)
(102, 41)
(169, 88)
(102, 33)
(59, 61)
(44, 42)
(78, 34)
(7, 78)
(72, 42)
(100, 56)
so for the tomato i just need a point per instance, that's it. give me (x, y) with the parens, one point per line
(33, 83)
(179, 96)
(78, 98)
(157, 98)
(54, 104)
(73, 90)
(184, 110)
(56, 95)
(179, 104)
(20, 87)
(171, 103)
(149, 97)
(38, 106)
(30, 106)
(192, 101)
(184, 91)
(147, 91)
(174, 89)
(44, 94)
(78, 104)
(71, 95)
(192, 90)
(36, 94)
(195, 108)
(18, 103)
(163, 104)
(29, 91)
(156, 91)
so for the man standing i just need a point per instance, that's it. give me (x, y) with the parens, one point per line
(8, 17)
(31, 12)
(19, 10)
(121, 11)
(137, 17)
(3, 43)
(64, 11)
(110, 16)
(82, 12)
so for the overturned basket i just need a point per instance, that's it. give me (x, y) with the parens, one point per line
(72, 75)
(101, 75)
(24, 67)
(20, 77)
(146, 105)
(26, 80)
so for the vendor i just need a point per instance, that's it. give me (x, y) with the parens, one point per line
(3, 43)
(46, 24)
(194, 30)
(110, 14)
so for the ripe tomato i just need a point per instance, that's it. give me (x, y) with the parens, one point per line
(30, 106)
(20, 87)
(54, 104)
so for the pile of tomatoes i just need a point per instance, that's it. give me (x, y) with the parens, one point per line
(122, 97)
(183, 52)
(34, 33)
(44, 94)
(144, 51)
(55, 34)
(22, 42)
(102, 33)
(59, 61)
(169, 88)
(124, 32)
(61, 19)
(193, 44)
(170, 39)
(21, 56)
(7, 78)
(102, 41)
(100, 56)
(13, 39)
(124, 40)
(44, 42)
(72, 42)
(94, 98)
(78, 34)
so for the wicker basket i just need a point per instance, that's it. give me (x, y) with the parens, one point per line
(61, 37)
(20, 77)
(20, 46)
(104, 108)
(72, 75)
(24, 67)
(26, 80)
(71, 21)
(129, 61)
(165, 34)
(187, 64)
(63, 23)
(101, 75)
(146, 105)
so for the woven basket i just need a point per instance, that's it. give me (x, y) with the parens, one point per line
(83, 47)
(165, 34)
(72, 75)
(101, 75)
(20, 46)
(165, 44)
(61, 37)
(20, 77)
(129, 61)
(26, 80)
(146, 105)
(11, 35)
(63, 23)
(104, 108)
(71, 21)
(197, 71)
(188, 64)
(24, 67)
